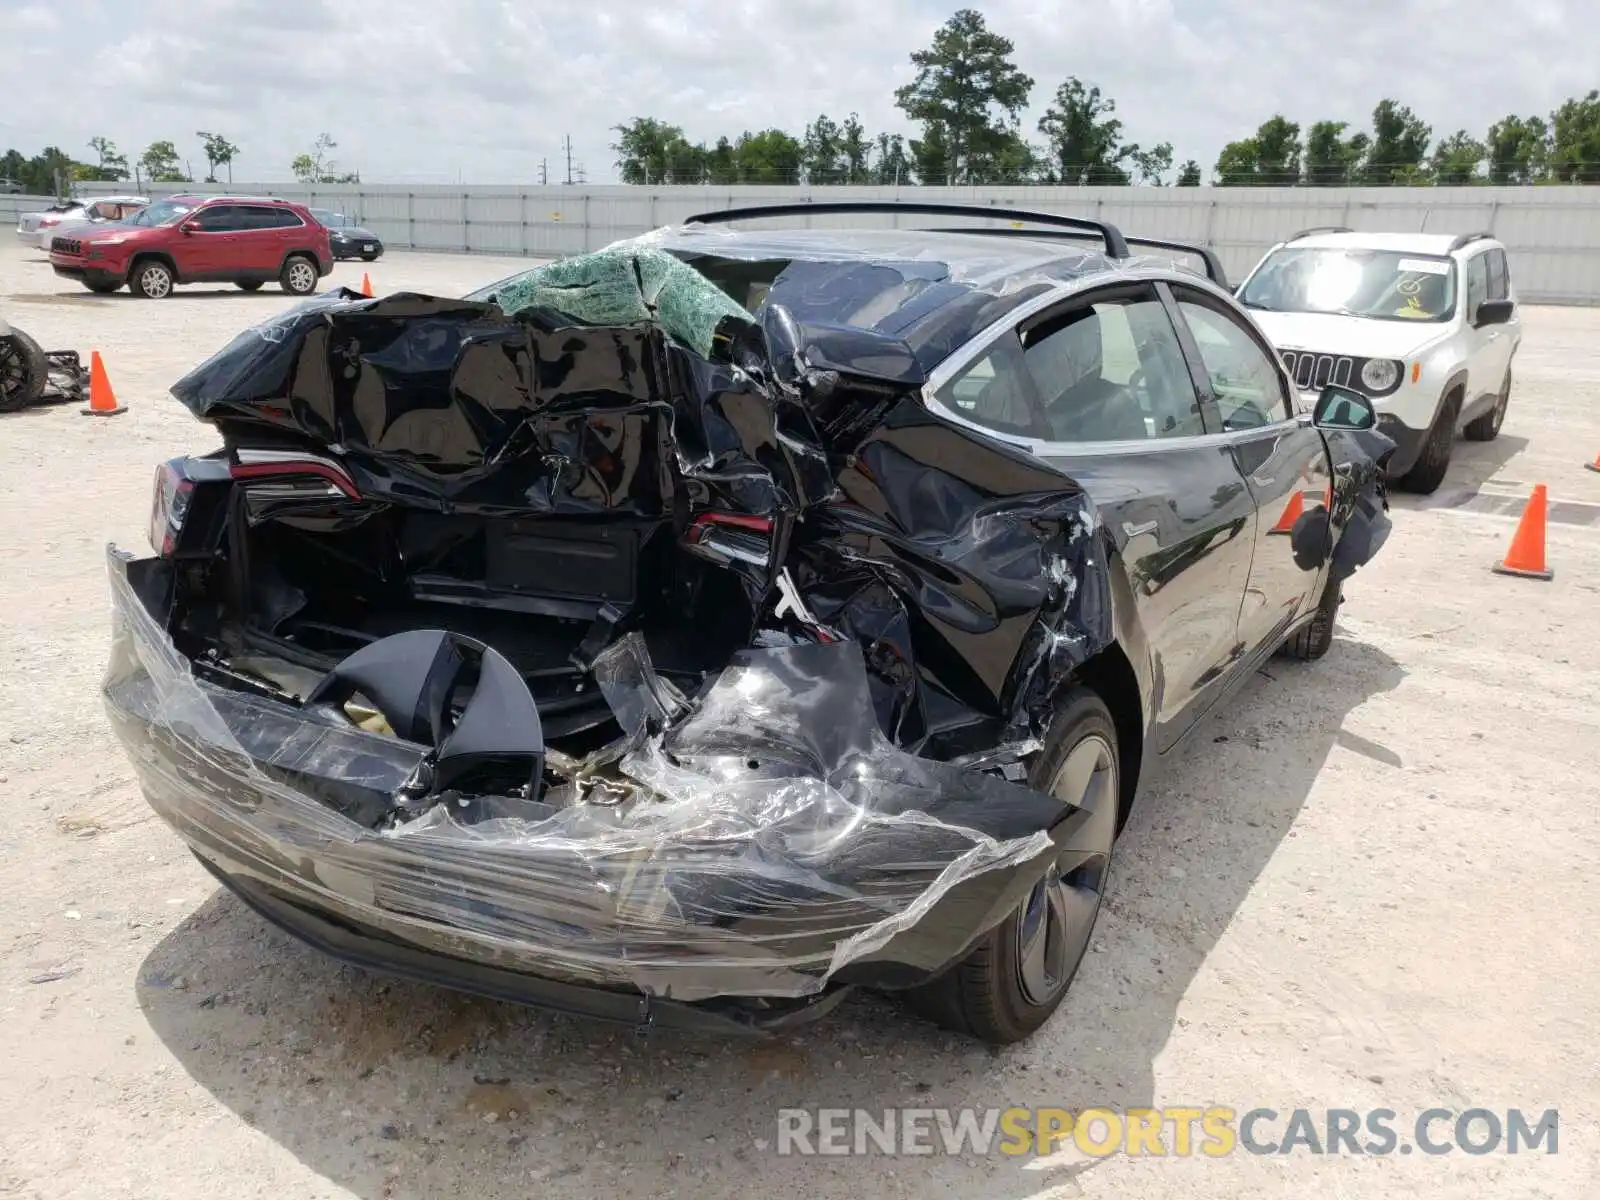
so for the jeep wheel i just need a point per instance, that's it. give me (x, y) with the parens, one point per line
(1429, 471)
(151, 279)
(1487, 427)
(23, 371)
(1014, 978)
(247, 285)
(299, 276)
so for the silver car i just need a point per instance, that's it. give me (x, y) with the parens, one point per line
(96, 212)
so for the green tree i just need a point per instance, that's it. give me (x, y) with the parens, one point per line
(1152, 164)
(219, 151)
(161, 163)
(1575, 140)
(1269, 158)
(931, 156)
(1518, 149)
(721, 164)
(110, 165)
(317, 167)
(893, 167)
(1085, 140)
(969, 89)
(771, 156)
(651, 151)
(1189, 174)
(1333, 160)
(856, 147)
(1456, 159)
(1399, 146)
(822, 156)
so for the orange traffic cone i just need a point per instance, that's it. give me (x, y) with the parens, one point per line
(1291, 514)
(1595, 465)
(102, 400)
(366, 284)
(1526, 556)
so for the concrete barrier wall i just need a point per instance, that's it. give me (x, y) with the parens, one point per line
(1552, 233)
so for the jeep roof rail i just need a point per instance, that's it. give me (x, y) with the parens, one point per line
(1213, 264)
(1466, 239)
(1116, 245)
(1315, 229)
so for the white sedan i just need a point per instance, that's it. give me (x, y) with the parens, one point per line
(40, 227)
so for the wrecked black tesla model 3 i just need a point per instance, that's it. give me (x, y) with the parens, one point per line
(689, 632)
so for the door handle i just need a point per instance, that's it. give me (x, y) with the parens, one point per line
(1134, 531)
(1263, 480)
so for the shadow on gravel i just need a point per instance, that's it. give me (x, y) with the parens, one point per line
(389, 1089)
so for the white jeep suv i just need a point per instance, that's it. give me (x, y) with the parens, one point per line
(1424, 324)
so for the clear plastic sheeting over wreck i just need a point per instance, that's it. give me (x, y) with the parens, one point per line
(762, 839)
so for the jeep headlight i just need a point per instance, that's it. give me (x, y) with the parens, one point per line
(1380, 374)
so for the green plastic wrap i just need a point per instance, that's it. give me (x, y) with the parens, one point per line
(624, 285)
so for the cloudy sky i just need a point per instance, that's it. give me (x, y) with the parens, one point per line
(481, 90)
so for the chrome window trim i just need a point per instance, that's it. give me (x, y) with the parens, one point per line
(1043, 448)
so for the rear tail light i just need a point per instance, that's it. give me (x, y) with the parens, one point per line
(285, 466)
(173, 493)
(731, 537)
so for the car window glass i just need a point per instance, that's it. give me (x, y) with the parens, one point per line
(1477, 282)
(1245, 380)
(1499, 284)
(993, 392)
(222, 218)
(1112, 371)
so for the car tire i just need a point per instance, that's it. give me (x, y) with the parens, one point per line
(151, 279)
(24, 370)
(1011, 982)
(299, 276)
(104, 289)
(1487, 427)
(247, 285)
(1316, 639)
(1425, 477)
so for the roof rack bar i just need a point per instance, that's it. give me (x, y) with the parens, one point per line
(1321, 229)
(1116, 245)
(1213, 264)
(1466, 239)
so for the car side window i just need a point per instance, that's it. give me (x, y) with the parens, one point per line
(275, 218)
(1112, 370)
(222, 218)
(993, 391)
(1245, 380)
(1499, 278)
(1477, 283)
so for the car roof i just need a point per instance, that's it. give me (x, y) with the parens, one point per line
(1417, 243)
(934, 289)
(209, 199)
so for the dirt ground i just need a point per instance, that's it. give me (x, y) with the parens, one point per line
(1369, 883)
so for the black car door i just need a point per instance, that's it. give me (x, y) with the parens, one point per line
(1100, 388)
(1280, 454)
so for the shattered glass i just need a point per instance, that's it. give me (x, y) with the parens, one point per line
(623, 285)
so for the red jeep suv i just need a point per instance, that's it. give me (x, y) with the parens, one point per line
(245, 240)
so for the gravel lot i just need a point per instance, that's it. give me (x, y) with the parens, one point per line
(1370, 883)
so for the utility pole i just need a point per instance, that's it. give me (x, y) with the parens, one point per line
(544, 173)
(566, 144)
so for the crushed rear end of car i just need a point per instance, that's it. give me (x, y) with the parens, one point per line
(605, 647)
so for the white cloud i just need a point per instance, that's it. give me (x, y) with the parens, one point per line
(483, 89)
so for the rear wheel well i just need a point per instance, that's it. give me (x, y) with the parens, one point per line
(1110, 676)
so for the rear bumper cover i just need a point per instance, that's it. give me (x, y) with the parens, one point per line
(763, 863)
